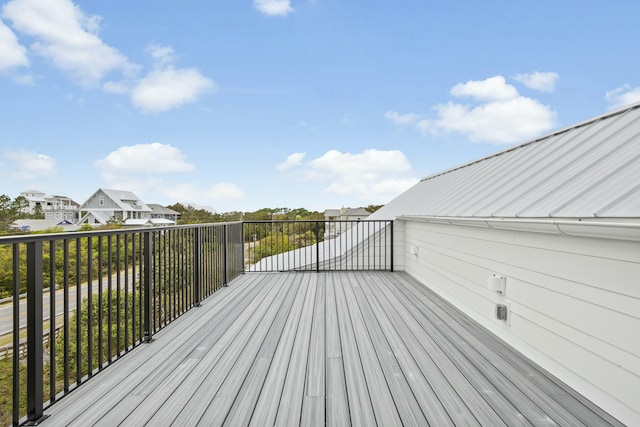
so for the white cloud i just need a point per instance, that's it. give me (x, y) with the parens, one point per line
(163, 90)
(154, 158)
(273, 7)
(504, 122)
(67, 37)
(544, 82)
(27, 166)
(624, 95)
(401, 119)
(292, 161)
(497, 114)
(141, 169)
(375, 176)
(162, 55)
(491, 89)
(12, 53)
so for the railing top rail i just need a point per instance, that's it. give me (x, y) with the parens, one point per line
(10, 239)
(317, 220)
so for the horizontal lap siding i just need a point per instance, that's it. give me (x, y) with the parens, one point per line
(573, 300)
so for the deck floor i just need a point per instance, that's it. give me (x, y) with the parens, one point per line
(314, 349)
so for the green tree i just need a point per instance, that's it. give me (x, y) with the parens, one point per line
(85, 227)
(37, 212)
(373, 208)
(191, 215)
(10, 210)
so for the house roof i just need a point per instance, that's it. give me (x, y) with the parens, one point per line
(142, 222)
(357, 212)
(101, 217)
(121, 198)
(589, 170)
(137, 222)
(162, 221)
(161, 210)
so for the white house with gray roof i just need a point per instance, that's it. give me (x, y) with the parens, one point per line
(53, 208)
(119, 205)
(341, 216)
(159, 212)
(540, 243)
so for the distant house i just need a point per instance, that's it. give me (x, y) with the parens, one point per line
(332, 229)
(54, 208)
(117, 205)
(540, 243)
(159, 212)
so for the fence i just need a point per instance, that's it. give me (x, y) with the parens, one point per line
(318, 245)
(115, 289)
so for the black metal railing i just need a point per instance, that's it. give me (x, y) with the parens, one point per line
(318, 245)
(80, 301)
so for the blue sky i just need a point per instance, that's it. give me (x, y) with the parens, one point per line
(246, 104)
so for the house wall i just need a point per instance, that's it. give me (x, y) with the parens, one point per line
(574, 302)
(94, 202)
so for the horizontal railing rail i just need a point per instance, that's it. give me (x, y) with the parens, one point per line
(110, 292)
(318, 245)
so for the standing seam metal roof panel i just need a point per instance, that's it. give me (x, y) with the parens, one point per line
(541, 164)
(588, 170)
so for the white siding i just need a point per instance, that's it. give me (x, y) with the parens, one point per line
(574, 302)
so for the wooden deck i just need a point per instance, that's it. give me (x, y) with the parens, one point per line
(332, 349)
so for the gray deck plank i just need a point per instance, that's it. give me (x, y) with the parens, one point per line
(313, 404)
(384, 407)
(335, 349)
(451, 387)
(203, 354)
(266, 408)
(217, 411)
(148, 399)
(504, 380)
(290, 408)
(194, 409)
(567, 406)
(130, 371)
(244, 404)
(425, 396)
(406, 404)
(337, 404)
(360, 409)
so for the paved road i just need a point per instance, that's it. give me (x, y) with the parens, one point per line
(6, 310)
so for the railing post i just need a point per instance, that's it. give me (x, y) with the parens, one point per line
(392, 246)
(242, 244)
(317, 246)
(225, 248)
(16, 334)
(197, 271)
(34, 332)
(147, 286)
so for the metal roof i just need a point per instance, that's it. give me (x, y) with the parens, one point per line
(161, 210)
(589, 170)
